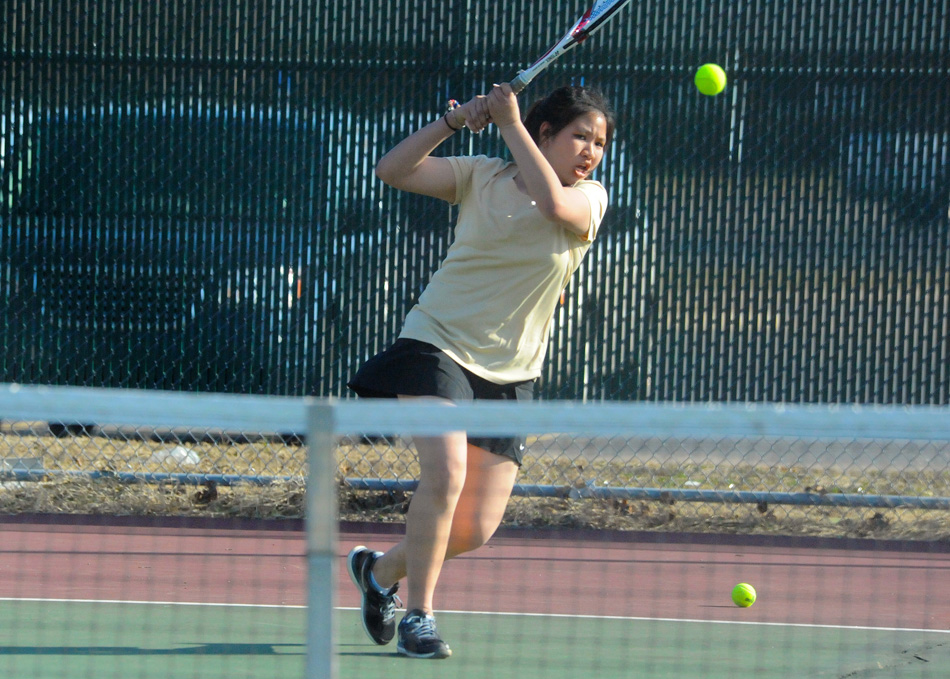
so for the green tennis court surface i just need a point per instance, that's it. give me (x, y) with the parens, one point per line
(91, 639)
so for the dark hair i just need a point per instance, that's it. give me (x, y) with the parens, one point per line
(564, 105)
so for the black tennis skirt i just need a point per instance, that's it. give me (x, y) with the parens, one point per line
(413, 368)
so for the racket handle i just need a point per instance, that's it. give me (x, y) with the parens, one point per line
(519, 82)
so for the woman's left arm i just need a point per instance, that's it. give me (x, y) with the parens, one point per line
(564, 205)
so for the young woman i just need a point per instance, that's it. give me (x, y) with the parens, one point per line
(481, 327)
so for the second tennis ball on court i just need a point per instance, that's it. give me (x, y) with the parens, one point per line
(743, 595)
(710, 79)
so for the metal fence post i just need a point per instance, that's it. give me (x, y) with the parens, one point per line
(321, 541)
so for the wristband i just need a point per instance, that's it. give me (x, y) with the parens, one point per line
(445, 118)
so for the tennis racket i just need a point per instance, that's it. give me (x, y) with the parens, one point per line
(595, 17)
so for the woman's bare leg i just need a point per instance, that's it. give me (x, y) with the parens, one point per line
(482, 504)
(478, 511)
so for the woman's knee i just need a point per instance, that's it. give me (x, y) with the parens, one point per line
(470, 533)
(442, 481)
(443, 467)
(467, 542)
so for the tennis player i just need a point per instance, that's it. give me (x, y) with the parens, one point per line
(480, 328)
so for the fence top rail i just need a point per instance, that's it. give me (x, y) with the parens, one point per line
(281, 414)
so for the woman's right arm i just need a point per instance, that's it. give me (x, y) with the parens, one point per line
(409, 166)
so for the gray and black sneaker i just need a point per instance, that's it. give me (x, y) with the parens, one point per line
(418, 637)
(379, 606)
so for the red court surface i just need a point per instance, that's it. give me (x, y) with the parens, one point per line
(799, 581)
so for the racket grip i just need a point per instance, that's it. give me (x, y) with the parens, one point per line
(519, 82)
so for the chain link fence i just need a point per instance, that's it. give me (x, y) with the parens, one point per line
(808, 484)
(187, 203)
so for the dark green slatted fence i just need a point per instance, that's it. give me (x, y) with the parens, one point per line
(188, 202)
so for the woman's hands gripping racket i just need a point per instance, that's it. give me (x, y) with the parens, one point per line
(595, 17)
(499, 106)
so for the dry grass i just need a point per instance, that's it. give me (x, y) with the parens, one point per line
(140, 452)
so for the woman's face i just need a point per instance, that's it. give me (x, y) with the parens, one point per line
(577, 150)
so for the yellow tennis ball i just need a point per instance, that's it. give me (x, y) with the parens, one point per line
(710, 79)
(743, 595)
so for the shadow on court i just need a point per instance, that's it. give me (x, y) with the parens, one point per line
(199, 649)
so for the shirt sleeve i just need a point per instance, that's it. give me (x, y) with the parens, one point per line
(597, 196)
(464, 169)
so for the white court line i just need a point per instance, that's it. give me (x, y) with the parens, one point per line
(619, 618)
(624, 618)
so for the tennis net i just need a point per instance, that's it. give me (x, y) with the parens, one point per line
(560, 589)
